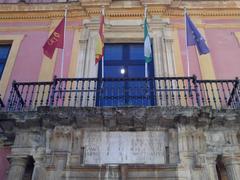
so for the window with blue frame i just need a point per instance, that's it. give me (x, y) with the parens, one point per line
(4, 52)
(124, 82)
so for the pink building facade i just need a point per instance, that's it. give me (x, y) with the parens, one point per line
(27, 26)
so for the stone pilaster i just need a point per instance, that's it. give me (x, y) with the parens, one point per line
(17, 168)
(232, 164)
(164, 63)
(39, 172)
(159, 54)
(187, 161)
(81, 63)
(124, 172)
(211, 168)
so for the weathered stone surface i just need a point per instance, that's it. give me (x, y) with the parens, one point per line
(191, 139)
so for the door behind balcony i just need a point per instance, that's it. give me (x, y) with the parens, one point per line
(124, 72)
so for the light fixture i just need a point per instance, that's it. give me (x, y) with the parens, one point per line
(122, 71)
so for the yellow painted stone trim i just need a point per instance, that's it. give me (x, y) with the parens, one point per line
(178, 60)
(177, 54)
(33, 28)
(207, 69)
(177, 26)
(16, 42)
(211, 26)
(237, 35)
(75, 49)
(48, 65)
(54, 10)
(205, 61)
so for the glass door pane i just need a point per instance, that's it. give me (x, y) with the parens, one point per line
(125, 62)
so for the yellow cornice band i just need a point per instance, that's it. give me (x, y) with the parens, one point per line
(55, 10)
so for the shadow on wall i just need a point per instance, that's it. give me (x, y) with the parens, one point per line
(29, 169)
(221, 169)
(238, 137)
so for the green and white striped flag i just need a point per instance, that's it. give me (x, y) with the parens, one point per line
(147, 43)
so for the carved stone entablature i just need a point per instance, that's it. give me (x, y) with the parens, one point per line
(118, 9)
(87, 3)
(28, 139)
(224, 141)
(62, 131)
(183, 143)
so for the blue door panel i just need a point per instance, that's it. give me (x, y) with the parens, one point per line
(124, 92)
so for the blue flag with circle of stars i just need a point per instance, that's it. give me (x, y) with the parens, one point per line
(194, 37)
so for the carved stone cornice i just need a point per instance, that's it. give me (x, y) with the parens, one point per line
(40, 11)
(82, 11)
(86, 3)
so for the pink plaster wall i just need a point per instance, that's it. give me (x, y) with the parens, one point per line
(192, 54)
(29, 58)
(30, 55)
(67, 52)
(4, 164)
(223, 45)
(23, 23)
(67, 56)
(225, 52)
(29, 1)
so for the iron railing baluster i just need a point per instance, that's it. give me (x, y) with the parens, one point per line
(88, 94)
(213, 94)
(178, 93)
(185, 92)
(219, 95)
(161, 91)
(42, 97)
(54, 85)
(69, 93)
(76, 94)
(196, 89)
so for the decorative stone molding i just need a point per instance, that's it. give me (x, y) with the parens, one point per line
(95, 2)
(210, 167)
(62, 131)
(232, 163)
(39, 171)
(87, 9)
(182, 127)
(17, 167)
(156, 2)
(62, 139)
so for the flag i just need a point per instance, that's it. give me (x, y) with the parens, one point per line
(147, 43)
(194, 37)
(56, 40)
(100, 41)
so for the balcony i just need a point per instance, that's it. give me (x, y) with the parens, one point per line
(121, 92)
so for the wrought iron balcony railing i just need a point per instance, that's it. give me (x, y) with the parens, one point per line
(158, 91)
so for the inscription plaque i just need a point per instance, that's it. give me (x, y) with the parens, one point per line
(146, 147)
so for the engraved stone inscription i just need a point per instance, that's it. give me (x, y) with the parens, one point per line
(124, 147)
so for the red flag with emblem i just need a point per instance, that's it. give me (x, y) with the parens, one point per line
(55, 40)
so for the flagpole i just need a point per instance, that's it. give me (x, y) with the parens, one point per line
(188, 62)
(103, 13)
(146, 64)
(64, 34)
